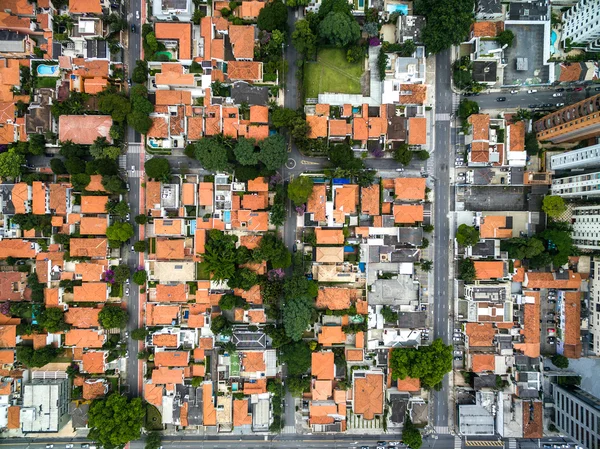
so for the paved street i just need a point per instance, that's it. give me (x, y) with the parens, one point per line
(523, 99)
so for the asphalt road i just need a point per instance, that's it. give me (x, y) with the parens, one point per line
(132, 159)
(522, 99)
(442, 293)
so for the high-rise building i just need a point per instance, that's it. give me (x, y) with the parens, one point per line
(572, 123)
(586, 227)
(581, 24)
(594, 319)
(577, 414)
(587, 157)
(577, 186)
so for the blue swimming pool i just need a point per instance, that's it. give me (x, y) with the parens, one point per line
(356, 109)
(553, 37)
(47, 70)
(227, 216)
(402, 9)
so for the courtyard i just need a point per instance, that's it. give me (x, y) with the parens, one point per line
(332, 73)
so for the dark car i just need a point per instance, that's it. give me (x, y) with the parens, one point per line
(547, 105)
(578, 89)
(468, 94)
(570, 89)
(133, 28)
(501, 99)
(560, 89)
(295, 248)
(533, 106)
(597, 89)
(129, 82)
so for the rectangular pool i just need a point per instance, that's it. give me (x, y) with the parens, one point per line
(402, 9)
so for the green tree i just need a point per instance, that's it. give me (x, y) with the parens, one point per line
(277, 214)
(466, 270)
(273, 151)
(121, 272)
(113, 317)
(158, 168)
(298, 385)
(57, 166)
(80, 181)
(75, 165)
(297, 315)
(389, 315)
(139, 277)
(36, 358)
(117, 105)
(428, 363)
(467, 108)
(297, 357)
(139, 334)
(273, 17)
(423, 155)
(304, 40)
(283, 117)
(113, 183)
(212, 155)
(554, 206)
(300, 189)
(119, 231)
(328, 6)
(118, 208)
(140, 72)
(115, 420)
(532, 147)
(10, 164)
(560, 361)
(411, 436)
(139, 121)
(245, 151)
(273, 250)
(140, 246)
(426, 265)
(229, 301)
(448, 22)
(53, 320)
(220, 254)
(505, 37)
(341, 156)
(153, 440)
(523, 248)
(339, 29)
(467, 235)
(37, 144)
(141, 219)
(403, 155)
(220, 325)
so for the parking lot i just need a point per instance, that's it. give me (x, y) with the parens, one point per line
(529, 45)
(547, 308)
(493, 198)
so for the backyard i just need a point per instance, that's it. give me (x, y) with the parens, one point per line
(332, 73)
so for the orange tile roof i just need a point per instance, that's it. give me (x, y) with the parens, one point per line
(329, 236)
(322, 390)
(331, 254)
(172, 74)
(531, 325)
(409, 384)
(20, 197)
(259, 114)
(159, 128)
(409, 189)
(171, 358)
(90, 272)
(362, 307)
(547, 280)
(152, 194)
(241, 417)
(255, 387)
(321, 413)
(179, 31)
(16, 248)
(93, 362)
(569, 71)
(95, 247)
(205, 194)
(368, 395)
(172, 249)
(250, 241)
(58, 198)
(82, 317)
(258, 185)
(346, 199)
(316, 202)
(486, 29)
(95, 184)
(199, 355)
(481, 126)
(161, 314)
(198, 370)
(572, 325)
(84, 129)
(85, 6)
(252, 361)
(331, 335)
(254, 221)
(318, 126)
(153, 394)
(416, 93)
(408, 214)
(489, 269)
(480, 334)
(171, 293)
(417, 131)
(517, 136)
(168, 226)
(164, 375)
(483, 362)
(93, 225)
(209, 414)
(354, 355)
(322, 365)
(195, 127)
(8, 336)
(7, 356)
(494, 227)
(242, 41)
(250, 10)
(84, 338)
(14, 417)
(339, 128)
(257, 316)
(94, 85)
(255, 201)
(533, 419)
(12, 285)
(90, 292)
(167, 340)
(336, 298)
(369, 201)
(480, 152)
(173, 97)
(322, 109)
(206, 343)
(93, 204)
(245, 70)
(188, 194)
(360, 129)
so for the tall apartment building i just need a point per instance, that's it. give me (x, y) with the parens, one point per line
(577, 414)
(581, 24)
(572, 123)
(594, 319)
(588, 157)
(577, 186)
(586, 227)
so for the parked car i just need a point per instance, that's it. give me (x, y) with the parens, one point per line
(295, 248)
(132, 249)
(49, 446)
(551, 301)
(547, 105)
(127, 217)
(132, 168)
(533, 106)
(551, 330)
(578, 89)
(364, 447)
(394, 443)
(597, 89)
(457, 357)
(570, 89)
(132, 28)
(560, 89)
(558, 105)
(459, 164)
(400, 169)
(557, 95)
(129, 82)
(457, 339)
(457, 330)
(468, 94)
(551, 340)
(137, 15)
(501, 99)
(531, 91)
(126, 292)
(514, 92)
(457, 352)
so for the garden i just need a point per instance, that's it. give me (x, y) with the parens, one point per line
(332, 73)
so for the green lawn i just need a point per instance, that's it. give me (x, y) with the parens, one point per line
(202, 272)
(332, 73)
(153, 418)
(45, 81)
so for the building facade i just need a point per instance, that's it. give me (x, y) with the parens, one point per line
(581, 24)
(578, 186)
(577, 414)
(586, 227)
(572, 123)
(594, 320)
(45, 404)
(587, 157)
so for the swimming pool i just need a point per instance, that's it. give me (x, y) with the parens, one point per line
(402, 9)
(153, 144)
(553, 37)
(227, 216)
(47, 70)
(165, 53)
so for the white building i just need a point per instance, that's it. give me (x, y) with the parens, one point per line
(594, 318)
(45, 404)
(586, 227)
(586, 157)
(581, 24)
(578, 186)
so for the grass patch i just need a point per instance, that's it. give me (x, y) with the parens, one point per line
(114, 384)
(153, 245)
(332, 73)
(193, 287)
(116, 290)
(202, 273)
(46, 81)
(153, 418)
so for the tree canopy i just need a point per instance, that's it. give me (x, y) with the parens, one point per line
(505, 37)
(273, 17)
(297, 357)
(466, 270)
(297, 314)
(467, 108)
(38, 357)
(53, 320)
(158, 168)
(112, 317)
(273, 250)
(10, 164)
(220, 254)
(339, 29)
(273, 151)
(448, 22)
(115, 420)
(560, 361)
(139, 277)
(532, 147)
(119, 231)
(467, 235)
(300, 189)
(403, 154)
(245, 151)
(411, 436)
(554, 206)
(303, 39)
(428, 363)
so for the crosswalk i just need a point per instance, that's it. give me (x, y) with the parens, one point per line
(442, 117)
(455, 102)
(135, 174)
(134, 148)
(512, 443)
(442, 430)
(289, 429)
(457, 443)
(123, 162)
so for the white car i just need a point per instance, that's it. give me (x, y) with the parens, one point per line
(132, 168)
(514, 92)
(399, 169)
(558, 105)
(531, 91)
(132, 249)
(126, 292)
(457, 339)
(137, 15)
(557, 95)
